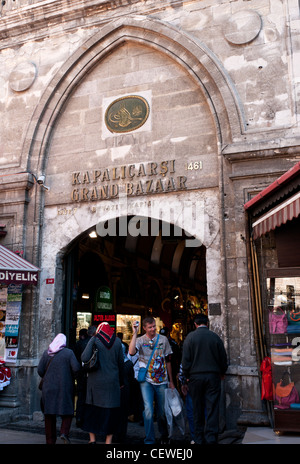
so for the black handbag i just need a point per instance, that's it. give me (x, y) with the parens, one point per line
(93, 363)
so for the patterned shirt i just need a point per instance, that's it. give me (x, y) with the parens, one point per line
(157, 371)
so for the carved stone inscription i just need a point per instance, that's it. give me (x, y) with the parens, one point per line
(131, 180)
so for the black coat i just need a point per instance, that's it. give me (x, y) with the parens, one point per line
(203, 351)
(103, 385)
(58, 385)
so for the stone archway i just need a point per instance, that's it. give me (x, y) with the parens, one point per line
(200, 62)
(189, 54)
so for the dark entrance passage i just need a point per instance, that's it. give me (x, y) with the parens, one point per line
(119, 278)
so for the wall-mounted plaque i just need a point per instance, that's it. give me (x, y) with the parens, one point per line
(127, 114)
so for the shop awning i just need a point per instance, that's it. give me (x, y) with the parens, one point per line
(286, 211)
(14, 269)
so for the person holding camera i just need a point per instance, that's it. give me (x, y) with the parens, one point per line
(155, 348)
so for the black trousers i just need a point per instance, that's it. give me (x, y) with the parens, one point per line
(205, 391)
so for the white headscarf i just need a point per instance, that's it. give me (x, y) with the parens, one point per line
(59, 342)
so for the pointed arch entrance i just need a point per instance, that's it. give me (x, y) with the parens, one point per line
(202, 96)
(168, 285)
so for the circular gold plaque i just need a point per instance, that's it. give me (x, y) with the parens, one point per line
(126, 114)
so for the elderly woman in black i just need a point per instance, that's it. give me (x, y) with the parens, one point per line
(103, 385)
(58, 367)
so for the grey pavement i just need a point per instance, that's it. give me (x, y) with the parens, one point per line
(32, 432)
(23, 434)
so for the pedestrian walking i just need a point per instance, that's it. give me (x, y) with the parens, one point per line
(125, 397)
(81, 380)
(136, 399)
(103, 394)
(188, 402)
(154, 355)
(58, 367)
(176, 352)
(204, 363)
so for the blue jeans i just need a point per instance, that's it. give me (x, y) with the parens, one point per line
(190, 414)
(149, 393)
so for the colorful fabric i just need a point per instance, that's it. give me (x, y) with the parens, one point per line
(284, 396)
(293, 328)
(277, 358)
(59, 342)
(278, 321)
(106, 334)
(5, 375)
(266, 370)
(157, 371)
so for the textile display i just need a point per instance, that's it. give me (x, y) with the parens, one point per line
(266, 384)
(285, 395)
(278, 321)
(5, 376)
(293, 317)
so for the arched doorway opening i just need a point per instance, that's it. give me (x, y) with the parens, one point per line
(123, 277)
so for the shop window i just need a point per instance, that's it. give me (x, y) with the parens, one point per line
(283, 304)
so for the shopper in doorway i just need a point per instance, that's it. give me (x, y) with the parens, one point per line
(84, 337)
(58, 368)
(125, 397)
(176, 352)
(103, 395)
(136, 399)
(204, 363)
(157, 347)
(188, 403)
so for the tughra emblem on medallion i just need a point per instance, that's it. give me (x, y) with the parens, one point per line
(126, 114)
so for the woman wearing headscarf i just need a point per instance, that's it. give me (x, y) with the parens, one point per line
(103, 385)
(58, 367)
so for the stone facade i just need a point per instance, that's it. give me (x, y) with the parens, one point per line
(222, 83)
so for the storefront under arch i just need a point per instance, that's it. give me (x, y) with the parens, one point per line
(137, 280)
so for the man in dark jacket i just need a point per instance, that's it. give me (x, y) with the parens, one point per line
(204, 363)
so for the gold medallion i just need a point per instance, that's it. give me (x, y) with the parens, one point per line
(126, 114)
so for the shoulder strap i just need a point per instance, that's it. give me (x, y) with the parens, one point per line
(152, 352)
(48, 364)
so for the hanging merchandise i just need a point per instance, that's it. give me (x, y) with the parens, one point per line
(293, 317)
(5, 375)
(278, 321)
(177, 332)
(195, 305)
(285, 395)
(266, 384)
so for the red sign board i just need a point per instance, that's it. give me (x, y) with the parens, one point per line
(98, 318)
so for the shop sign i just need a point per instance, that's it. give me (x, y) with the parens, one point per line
(10, 277)
(103, 299)
(110, 318)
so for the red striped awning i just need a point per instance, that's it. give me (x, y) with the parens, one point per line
(14, 269)
(285, 211)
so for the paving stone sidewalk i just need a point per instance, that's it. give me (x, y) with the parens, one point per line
(135, 432)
